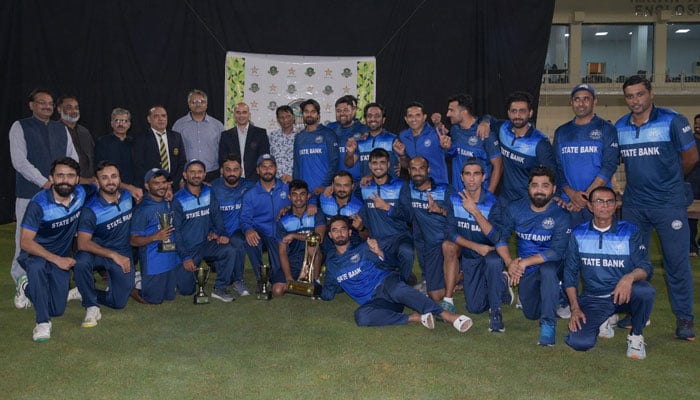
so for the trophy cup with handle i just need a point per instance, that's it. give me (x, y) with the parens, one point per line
(304, 285)
(264, 291)
(202, 274)
(165, 220)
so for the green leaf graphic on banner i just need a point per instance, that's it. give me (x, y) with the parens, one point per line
(235, 87)
(365, 85)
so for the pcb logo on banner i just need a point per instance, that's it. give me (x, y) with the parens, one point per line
(267, 81)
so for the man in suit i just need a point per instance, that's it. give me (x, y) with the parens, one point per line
(244, 140)
(147, 148)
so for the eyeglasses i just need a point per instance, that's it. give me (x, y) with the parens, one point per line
(121, 121)
(43, 103)
(607, 203)
(198, 102)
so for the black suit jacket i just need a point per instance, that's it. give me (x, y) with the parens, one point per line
(146, 155)
(256, 144)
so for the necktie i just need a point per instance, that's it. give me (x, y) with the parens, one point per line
(163, 153)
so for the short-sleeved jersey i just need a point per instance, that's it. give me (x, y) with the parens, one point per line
(545, 233)
(427, 145)
(520, 155)
(194, 217)
(316, 156)
(652, 158)
(145, 223)
(55, 225)
(466, 143)
(461, 223)
(230, 201)
(602, 258)
(584, 153)
(290, 223)
(109, 223)
(379, 222)
(355, 131)
(415, 202)
(385, 140)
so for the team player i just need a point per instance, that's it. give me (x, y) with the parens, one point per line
(608, 255)
(48, 228)
(293, 228)
(346, 127)
(315, 150)
(658, 149)
(391, 233)
(200, 233)
(421, 139)
(358, 150)
(382, 295)
(586, 151)
(342, 201)
(158, 268)
(103, 242)
(465, 142)
(541, 230)
(523, 147)
(422, 202)
(229, 190)
(485, 281)
(261, 205)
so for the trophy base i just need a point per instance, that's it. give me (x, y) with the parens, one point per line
(201, 299)
(307, 289)
(166, 247)
(264, 296)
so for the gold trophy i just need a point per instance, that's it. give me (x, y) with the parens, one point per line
(304, 285)
(264, 291)
(165, 220)
(202, 274)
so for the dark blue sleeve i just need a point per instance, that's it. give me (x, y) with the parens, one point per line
(560, 238)
(572, 273)
(333, 157)
(215, 217)
(87, 222)
(178, 218)
(611, 153)
(681, 133)
(640, 254)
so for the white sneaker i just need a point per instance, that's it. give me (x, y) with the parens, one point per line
(74, 294)
(137, 280)
(42, 332)
(635, 347)
(564, 311)
(21, 300)
(606, 331)
(91, 317)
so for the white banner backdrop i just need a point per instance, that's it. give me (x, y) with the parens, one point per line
(267, 81)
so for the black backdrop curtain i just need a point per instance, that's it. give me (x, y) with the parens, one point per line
(135, 53)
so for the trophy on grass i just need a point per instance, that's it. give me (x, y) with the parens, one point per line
(202, 274)
(304, 285)
(264, 291)
(165, 220)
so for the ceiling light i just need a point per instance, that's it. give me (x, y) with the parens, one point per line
(601, 33)
(682, 30)
(566, 35)
(629, 33)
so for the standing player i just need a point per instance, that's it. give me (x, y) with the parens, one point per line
(658, 148)
(347, 127)
(586, 151)
(421, 139)
(103, 241)
(358, 151)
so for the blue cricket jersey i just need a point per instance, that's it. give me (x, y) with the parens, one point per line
(427, 145)
(145, 223)
(466, 144)
(379, 222)
(414, 202)
(357, 272)
(194, 217)
(290, 223)
(545, 233)
(260, 208)
(584, 153)
(230, 201)
(461, 223)
(55, 225)
(653, 164)
(108, 223)
(316, 157)
(602, 258)
(520, 155)
(356, 130)
(384, 140)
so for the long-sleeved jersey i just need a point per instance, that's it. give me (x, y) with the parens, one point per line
(230, 201)
(465, 144)
(316, 156)
(260, 208)
(384, 140)
(357, 272)
(379, 222)
(356, 130)
(461, 223)
(413, 206)
(427, 145)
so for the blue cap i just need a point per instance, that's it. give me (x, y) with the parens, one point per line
(194, 161)
(155, 171)
(584, 86)
(265, 157)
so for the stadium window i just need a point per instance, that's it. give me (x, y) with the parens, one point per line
(555, 67)
(682, 55)
(611, 53)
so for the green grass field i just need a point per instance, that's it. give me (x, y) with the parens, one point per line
(295, 347)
